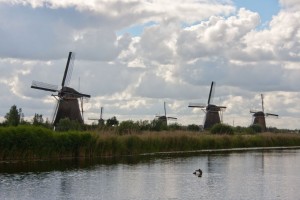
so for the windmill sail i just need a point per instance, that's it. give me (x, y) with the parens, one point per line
(262, 103)
(270, 114)
(210, 92)
(174, 118)
(196, 105)
(44, 86)
(54, 111)
(66, 70)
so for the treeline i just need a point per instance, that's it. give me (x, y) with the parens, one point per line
(15, 117)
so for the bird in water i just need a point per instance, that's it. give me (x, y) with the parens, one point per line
(198, 172)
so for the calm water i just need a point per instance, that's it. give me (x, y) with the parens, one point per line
(247, 175)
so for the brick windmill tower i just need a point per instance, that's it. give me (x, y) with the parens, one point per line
(164, 117)
(212, 112)
(259, 116)
(100, 120)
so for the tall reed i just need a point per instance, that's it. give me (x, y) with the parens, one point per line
(29, 142)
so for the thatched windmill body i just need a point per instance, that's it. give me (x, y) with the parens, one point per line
(67, 98)
(259, 116)
(212, 112)
(164, 118)
(100, 120)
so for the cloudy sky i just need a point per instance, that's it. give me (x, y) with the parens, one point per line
(132, 55)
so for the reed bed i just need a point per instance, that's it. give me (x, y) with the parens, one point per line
(30, 143)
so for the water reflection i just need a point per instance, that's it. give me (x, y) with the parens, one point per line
(247, 175)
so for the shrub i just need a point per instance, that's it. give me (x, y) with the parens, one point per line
(222, 129)
(112, 122)
(68, 125)
(128, 127)
(193, 127)
(158, 125)
(174, 127)
(144, 125)
(256, 128)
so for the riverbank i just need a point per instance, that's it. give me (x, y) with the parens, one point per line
(36, 143)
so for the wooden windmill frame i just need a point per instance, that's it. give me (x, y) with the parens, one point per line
(259, 116)
(212, 112)
(164, 118)
(67, 105)
(100, 120)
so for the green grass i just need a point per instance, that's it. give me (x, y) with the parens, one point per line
(30, 143)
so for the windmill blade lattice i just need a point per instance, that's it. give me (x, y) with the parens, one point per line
(68, 70)
(197, 105)
(44, 86)
(172, 118)
(270, 114)
(54, 111)
(211, 92)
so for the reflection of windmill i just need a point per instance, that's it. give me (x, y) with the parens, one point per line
(100, 120)
(67, 98)
(212, 111)
(164, 118)
(259, 116)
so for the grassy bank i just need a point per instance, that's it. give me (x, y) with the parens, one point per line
(29, 142)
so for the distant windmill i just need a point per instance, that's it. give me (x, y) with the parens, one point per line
(212, 116)
(259, 116)
(164, 118)
(100, 120)
(67, 98)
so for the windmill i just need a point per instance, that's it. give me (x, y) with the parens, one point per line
(259, 116)
(67, 98)
(212, 111)
(164, 118)
(100, 120)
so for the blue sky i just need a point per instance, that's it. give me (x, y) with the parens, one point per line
(265, 8)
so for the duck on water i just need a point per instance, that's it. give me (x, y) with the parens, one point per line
(198, 172)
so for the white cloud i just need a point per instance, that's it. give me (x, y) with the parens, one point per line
(218, 35)
(290, 4)
(184, 46)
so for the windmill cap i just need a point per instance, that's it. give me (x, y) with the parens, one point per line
(72, 92)
(258, 114)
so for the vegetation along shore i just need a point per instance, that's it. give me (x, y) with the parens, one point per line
(27, 142)
(37, 140)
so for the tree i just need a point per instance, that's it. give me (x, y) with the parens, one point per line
(37, 119)
(158, 125)
(128, 127)
(144, 125)
(14, 117)
(112, 122)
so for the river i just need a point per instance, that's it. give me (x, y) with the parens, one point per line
(255, 174)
